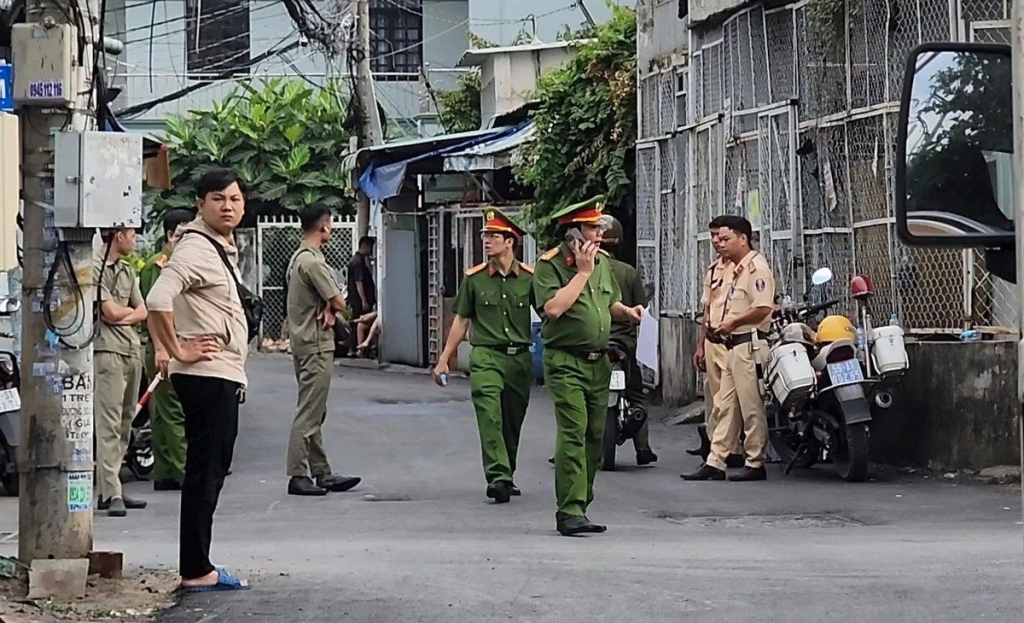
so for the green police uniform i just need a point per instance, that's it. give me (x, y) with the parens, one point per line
(311, 285)
(500, 364)
(576, 367)
(631, 284)
(167, 417)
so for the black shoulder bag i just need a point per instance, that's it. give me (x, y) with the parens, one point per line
(252, 304)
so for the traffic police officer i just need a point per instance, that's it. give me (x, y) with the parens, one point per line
(631, 284)
(168, 420)
(743, 329)
(578, 295)
(710, 356)
(313, 299)
(496, 297)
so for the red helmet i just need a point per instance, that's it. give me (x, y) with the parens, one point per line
(860, 287)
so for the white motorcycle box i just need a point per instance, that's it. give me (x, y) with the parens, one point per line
(888, 351)
(790, 374)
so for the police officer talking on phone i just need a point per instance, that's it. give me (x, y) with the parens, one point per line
(578, 296)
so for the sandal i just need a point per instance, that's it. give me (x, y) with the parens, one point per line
(225, 582)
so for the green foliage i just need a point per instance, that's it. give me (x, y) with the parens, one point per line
(459, 109)
(586, 124)
(286, 139)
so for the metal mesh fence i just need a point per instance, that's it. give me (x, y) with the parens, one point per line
(829, 159)
(276, 241)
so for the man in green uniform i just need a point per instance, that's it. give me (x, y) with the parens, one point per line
(166, 417)
(578, 295)
(313, 299)
(496, 298)
(117, 363)
(631, 284)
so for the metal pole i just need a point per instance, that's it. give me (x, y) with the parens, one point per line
(55, 461)
(370, 132)
(1018, 198)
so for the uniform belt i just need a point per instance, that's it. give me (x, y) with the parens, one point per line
(736, 339)
(509, 349)
(590, 356)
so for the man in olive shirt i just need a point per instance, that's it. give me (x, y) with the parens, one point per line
(631, 284)
(578, 295)
(118, 366)
(496, 297)
(167, 420)
(313, 300)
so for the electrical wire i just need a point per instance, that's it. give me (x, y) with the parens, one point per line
(63, 260)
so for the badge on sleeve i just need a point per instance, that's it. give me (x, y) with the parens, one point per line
(760, 285)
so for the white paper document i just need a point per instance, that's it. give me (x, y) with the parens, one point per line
(647, 341)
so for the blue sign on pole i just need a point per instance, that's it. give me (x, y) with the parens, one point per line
(6, 88)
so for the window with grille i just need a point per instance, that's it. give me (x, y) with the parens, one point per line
(396, 39)
(217, 38)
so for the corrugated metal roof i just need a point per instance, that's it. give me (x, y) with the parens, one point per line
(489, 155)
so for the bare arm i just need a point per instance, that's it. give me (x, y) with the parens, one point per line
(135, 316)
(165, 338)
(456, 335)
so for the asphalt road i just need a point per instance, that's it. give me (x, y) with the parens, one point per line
(418, 541)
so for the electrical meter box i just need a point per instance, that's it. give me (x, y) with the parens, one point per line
(44, 64)
(97, 180)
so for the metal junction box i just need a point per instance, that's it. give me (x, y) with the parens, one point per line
(97, 181)
(44, 64)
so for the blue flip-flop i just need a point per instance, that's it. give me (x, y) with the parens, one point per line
(225, 582)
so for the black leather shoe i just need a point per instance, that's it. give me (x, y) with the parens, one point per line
(750, 474)
(594, 528)
(167, 484)
(500, 492)
(705, 443)
(735, 461)
(551, 460)
(571, 526)
(515, 490)
(300, 485)
(706, 472)
(336, 483)
(133, 504)
(646, 457)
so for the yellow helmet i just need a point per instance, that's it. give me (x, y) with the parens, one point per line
(834, 328)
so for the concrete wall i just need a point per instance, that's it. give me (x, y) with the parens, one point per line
(949, 417)
(660, 33)
(701, 10)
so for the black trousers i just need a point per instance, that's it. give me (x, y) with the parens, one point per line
(211, 426)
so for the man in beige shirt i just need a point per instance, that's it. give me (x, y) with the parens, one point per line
(200, 336)
(118, 366)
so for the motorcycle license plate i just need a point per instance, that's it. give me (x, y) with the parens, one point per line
(10, 400)
(845, 372)
(618, 381)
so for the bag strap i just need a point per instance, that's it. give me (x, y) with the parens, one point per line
(220, 251)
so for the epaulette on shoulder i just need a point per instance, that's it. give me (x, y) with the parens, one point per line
(549, 254)
(527, 268)
(476, 269)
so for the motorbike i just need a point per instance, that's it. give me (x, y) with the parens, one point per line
(819, 386)
(139, 458)
(624, 419)
(10, 422)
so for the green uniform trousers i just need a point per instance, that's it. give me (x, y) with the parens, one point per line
(579, 390)
(306, 455)
(117, 379)
(168, 422)
(500, 385)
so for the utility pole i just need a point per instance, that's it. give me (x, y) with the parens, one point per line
(370, 132)
(54, 93)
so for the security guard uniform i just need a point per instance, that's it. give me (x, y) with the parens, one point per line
(117, 361)
(167, 419)
(577, 371)
(713, 300)
(738, 400)
(500, 364)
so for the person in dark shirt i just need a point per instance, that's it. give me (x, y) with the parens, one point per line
(362, 292)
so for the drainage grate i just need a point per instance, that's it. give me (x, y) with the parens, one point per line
(817, 520)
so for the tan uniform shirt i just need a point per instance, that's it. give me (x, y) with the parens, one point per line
(310, 285)
(196, 285)
(118, 283)
(751, 285)
(716, 291)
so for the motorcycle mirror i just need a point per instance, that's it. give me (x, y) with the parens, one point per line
(821, 276)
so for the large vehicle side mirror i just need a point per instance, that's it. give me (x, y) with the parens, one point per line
(954, 163)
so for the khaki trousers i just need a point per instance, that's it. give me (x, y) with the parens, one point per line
(306, 454)
(740, 408)
(716, 357)
(117, 379)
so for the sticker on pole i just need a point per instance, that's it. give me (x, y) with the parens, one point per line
(6, 88)
(79, 492)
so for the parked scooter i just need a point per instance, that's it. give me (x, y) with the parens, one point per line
(624, 419)
(139, 458)
(818, 393)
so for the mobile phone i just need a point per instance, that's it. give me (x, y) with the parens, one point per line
(574, 235)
